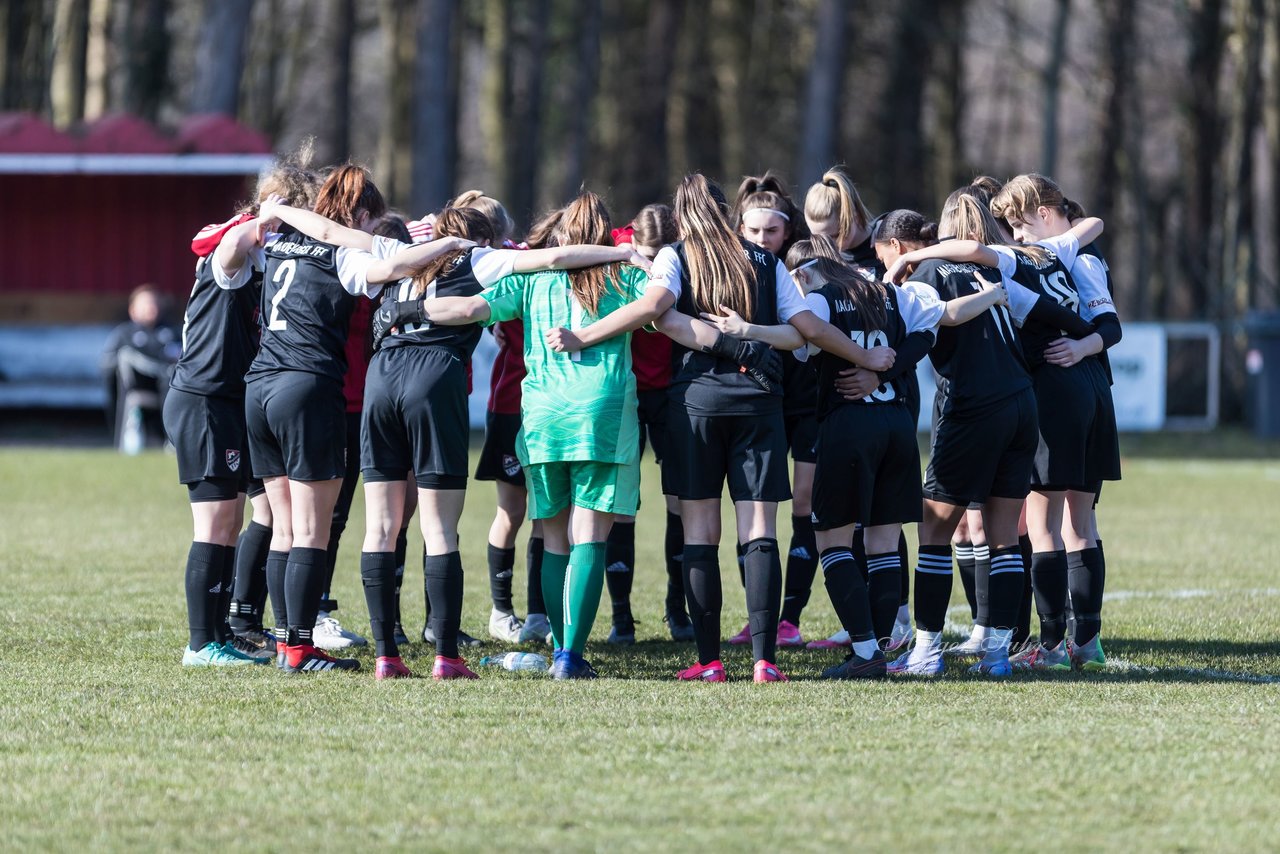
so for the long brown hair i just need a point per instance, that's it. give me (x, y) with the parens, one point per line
(655, 227)
(586, 221)
(866, 293)
(719, 272)
(453, 222)
(348, 190)
(290, 177)
(835, 196)
(965, 217)
(1022, 195)
(543, 232)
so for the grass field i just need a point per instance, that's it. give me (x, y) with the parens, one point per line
(106, 741)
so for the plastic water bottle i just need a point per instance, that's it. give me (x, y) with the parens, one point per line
(134, 438)
(516, 661)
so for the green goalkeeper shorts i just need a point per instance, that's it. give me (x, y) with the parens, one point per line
(605, 487)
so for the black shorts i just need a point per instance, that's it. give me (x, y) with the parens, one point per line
(415, 418)
(297, 426)
(651, 407)
(868, 468)
(802, 437)
(989, 455)
(1065, 408)
(1102, 448)
(210, 439)
(498, 460)
(750, 451)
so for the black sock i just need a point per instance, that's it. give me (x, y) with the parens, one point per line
(802, 564)
(1049, 582)
(1022, 629)
(533, 562)
(883, 587)
(402, 550)
(249, 590)
(204, 567)
(904, 561)
(860, 551)
(763, 567)
(701, 567)
(1004, 583)
(933, 587)
(327, 603)
(303, 578)
(222, 607)
(1086, 577)
(964, 563)
(378, 576)
(619, 572)
(501, 568)
(275, 571)
(982, 584)
(673, 545)
(848, 593)
(742, 569)
(442, 576)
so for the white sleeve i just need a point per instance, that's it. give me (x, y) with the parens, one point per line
(385, 247)
(488, 264)
(1090, 277)
(1065, 246)
(667, 270)
(353, 265)
(818, 304)
(790, 301)
(255, 261)
(920, 313)
(1021, 301)
(1008, 262)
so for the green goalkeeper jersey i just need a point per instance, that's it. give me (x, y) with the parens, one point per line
(574, 406)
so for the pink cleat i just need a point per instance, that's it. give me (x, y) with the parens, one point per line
(451, 668)
(742, 637)
(766, 671)
(840, 640)
(390, 667)
(789, 635)
(712, 672)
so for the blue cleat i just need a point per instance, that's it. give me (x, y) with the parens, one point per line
(567, 664)
(994, 663)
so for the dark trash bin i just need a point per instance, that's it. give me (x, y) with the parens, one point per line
(1262, 368)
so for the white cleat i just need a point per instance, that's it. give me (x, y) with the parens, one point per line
(900, 635)
(536, 629)
(504, 626)
(329, 634)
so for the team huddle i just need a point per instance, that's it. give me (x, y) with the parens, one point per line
(327, 340)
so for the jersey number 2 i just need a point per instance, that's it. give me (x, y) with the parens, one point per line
(285, 273)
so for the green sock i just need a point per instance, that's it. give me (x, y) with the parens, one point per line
(582, 593)
(554, 567)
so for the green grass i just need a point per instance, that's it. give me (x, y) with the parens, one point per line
(106, 741)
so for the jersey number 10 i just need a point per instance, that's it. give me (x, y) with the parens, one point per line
(877, 338)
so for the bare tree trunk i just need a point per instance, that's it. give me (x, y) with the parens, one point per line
(97, 58)
(728, 59)
(524, 135)
(1052, 85)
(220, 56)
(586, 71)
(1200, 232)
(823, 97)
(435, 139)
(343, 26)
(1239, 260)
(146, 57)
(901, 115)
(25, 72)
(395, 148)
(1118, 17)
(950, 166)
(496, 99)
(66, 83)
(647, 163)
(697, 127)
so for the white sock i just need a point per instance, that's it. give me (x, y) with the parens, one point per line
(928, 645)
(978, 633)
(998, 640)
(866, 648)
(904, 614)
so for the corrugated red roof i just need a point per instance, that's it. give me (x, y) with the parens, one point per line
(26, 133)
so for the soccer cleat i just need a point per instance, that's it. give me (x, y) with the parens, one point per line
(767, 671)
(839, 639)
(213, 654)
(928, 665)
(1089, 657)
(305, 658)
(854, 667)
(329, 634)
(994, 663)
(567, 664)
(536, 629)
(742, 637)
(390, 667)
(622, 635)
(712, 672)
(788, 634)
(451, 668)
(464, 639)
(679, 625)
(401, 638)
(900, 635)
(1037, 657)
(259, 638)
(972, 645)
(246, 649)
(504, 626)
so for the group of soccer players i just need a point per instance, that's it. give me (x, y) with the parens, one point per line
(769, 328)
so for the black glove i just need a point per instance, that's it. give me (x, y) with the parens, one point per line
(758, 360)
(395, 314)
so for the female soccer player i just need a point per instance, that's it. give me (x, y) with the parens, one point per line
(1038, 211)
(579, 437)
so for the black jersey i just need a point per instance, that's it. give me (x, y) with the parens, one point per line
(979, 363)
(864, 255)
(457, 280)
(306, 311)
(845, 317)
(709, 385)
(219, 335)
(799, 386)
(1047, 278)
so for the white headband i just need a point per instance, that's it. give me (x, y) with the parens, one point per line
(805, 265)
(767, 210)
